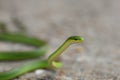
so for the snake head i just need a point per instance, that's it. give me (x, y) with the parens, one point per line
(75, 39)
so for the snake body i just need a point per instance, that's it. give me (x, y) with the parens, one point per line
(41, 49)
(18, 55)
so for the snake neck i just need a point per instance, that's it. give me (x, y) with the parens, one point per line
(52, 58)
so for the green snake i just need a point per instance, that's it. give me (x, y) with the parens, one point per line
(41, 48)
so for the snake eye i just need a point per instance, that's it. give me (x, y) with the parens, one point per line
(75, 39)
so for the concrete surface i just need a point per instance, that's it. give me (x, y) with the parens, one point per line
(98, 21)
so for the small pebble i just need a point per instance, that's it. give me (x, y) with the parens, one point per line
(38, 72)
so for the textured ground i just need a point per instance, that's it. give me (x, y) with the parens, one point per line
(98, 21)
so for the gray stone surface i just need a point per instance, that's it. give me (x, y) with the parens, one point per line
(98, 21)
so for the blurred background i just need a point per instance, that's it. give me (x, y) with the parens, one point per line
(98, 21)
